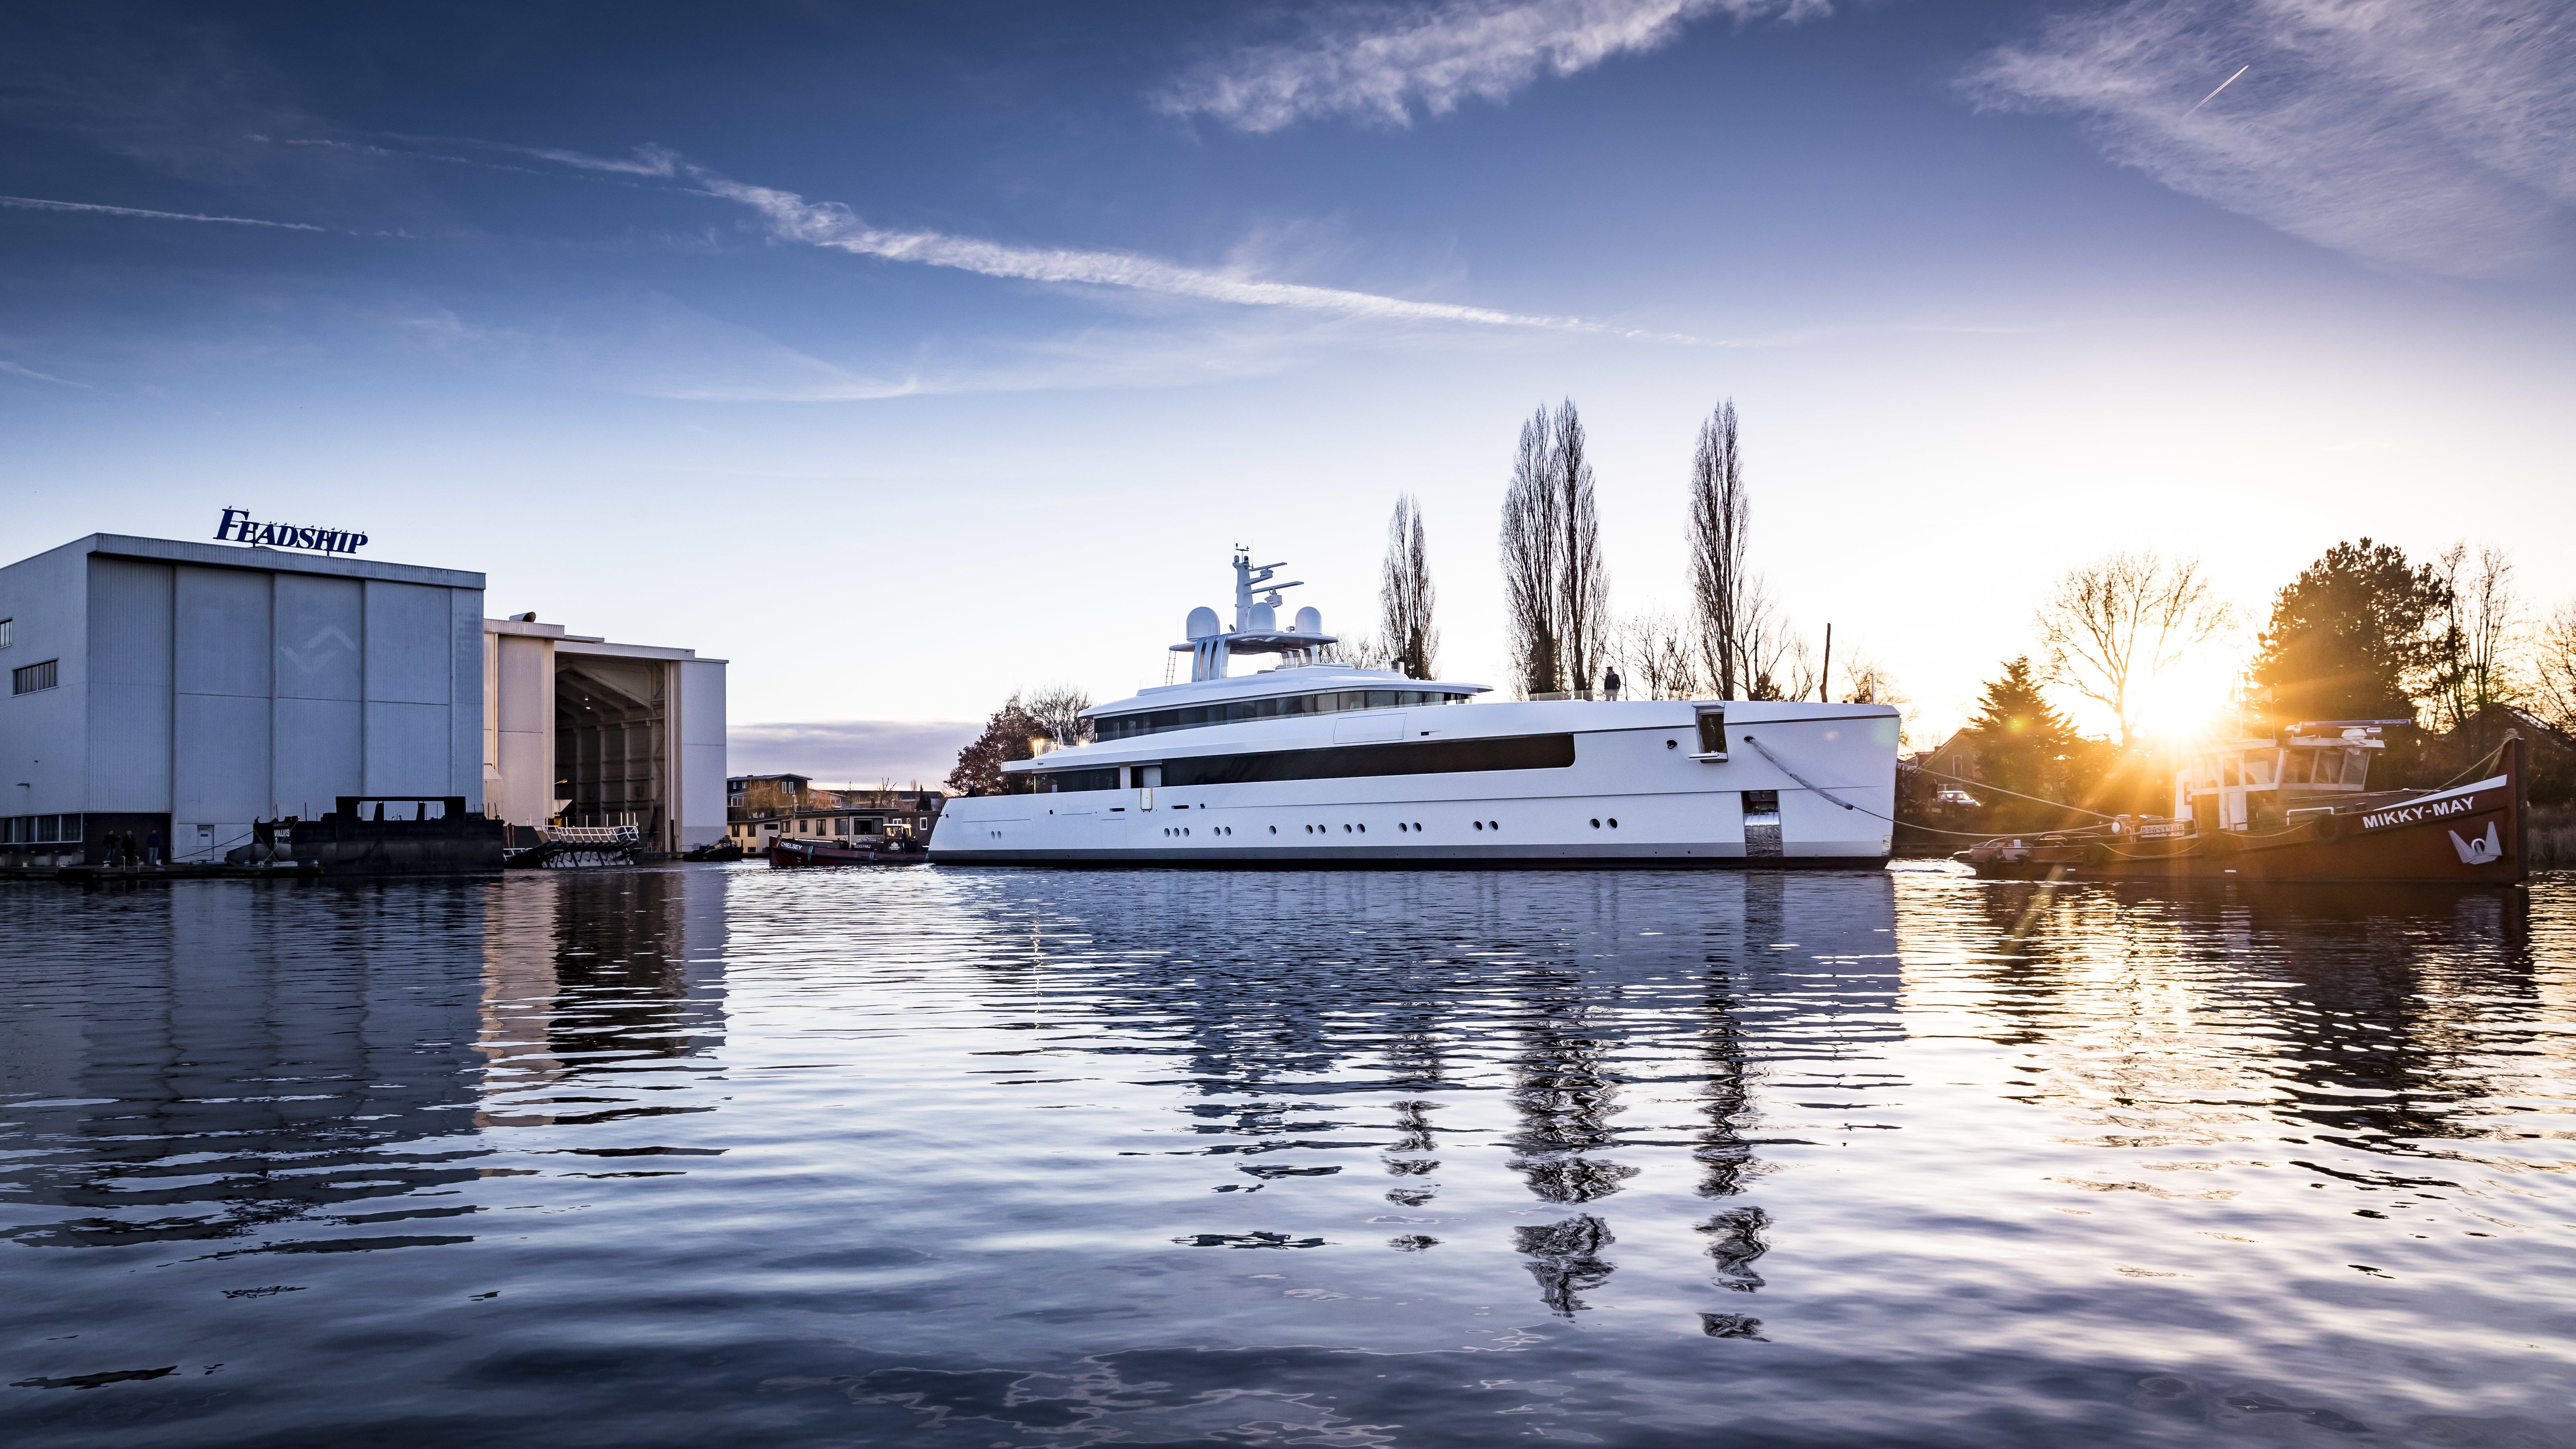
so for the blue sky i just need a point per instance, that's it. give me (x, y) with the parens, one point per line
(905, 355)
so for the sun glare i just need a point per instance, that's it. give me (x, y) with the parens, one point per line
(2187, 700)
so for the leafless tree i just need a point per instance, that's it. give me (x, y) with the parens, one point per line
(2553, 666)
(1866, 681)
(1555, 585)
(2470, 670)
(1360, 651)
(1059, 707)
(1404, 595)
(1773, 660)
(1720, 510)
(2112, 625)
(1660, 656)
(1532, 531)
(1584, 581)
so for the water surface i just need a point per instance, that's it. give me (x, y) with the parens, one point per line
(709, 1155)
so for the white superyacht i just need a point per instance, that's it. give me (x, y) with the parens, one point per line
(1316, 763)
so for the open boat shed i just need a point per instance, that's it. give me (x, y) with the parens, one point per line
(185, 690)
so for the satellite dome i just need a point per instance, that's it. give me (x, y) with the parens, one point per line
(1265, 619)
(1202, 624)
(1310, 620)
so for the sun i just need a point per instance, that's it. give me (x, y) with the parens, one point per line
(2187, 700)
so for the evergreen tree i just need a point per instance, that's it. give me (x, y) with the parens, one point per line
(2352, 637)
(1011, 734)
(2022, 742)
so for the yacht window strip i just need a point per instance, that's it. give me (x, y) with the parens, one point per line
(1345, 762)
(1138, 723)
(1062, 782)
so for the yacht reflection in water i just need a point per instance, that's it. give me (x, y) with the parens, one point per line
(1565, 993)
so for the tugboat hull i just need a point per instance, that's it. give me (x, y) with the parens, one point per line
(815, 852)
(2466, 835)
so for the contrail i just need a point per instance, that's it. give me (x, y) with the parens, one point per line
(2222, 85)
(830, 224)
(33, 203)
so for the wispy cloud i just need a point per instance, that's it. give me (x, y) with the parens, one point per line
(2428, 135)
(791, 217)
(14, 370)
(1375, 63)
(32, 203)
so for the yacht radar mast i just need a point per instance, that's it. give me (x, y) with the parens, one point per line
(1256, 624)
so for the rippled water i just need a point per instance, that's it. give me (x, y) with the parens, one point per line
(722, 1155)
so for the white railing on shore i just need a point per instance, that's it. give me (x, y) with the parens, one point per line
(590, 834)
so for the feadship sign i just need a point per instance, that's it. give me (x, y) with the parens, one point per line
(239, 527)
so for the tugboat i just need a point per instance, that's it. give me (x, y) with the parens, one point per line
(870, 850)
(2295, 807)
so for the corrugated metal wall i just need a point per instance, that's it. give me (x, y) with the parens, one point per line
(225, 695)
(129, 686)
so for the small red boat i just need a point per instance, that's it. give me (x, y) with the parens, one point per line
(2292, 808)
(887, 850)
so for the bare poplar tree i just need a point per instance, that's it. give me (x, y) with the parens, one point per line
(1404, 594)
(1532, 534)
(1719, 513)
(1583, 580)
(2469, 667)
(2113, 625)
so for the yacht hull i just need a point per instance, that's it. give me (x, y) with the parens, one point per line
(1804, 786)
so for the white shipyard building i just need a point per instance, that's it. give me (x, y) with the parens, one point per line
(185, 690)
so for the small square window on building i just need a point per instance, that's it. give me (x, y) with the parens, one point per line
(33, 677)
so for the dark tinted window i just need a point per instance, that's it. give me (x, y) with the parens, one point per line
(1712, 732)
(1131, 726)
(1063, 781)
(1428, 757)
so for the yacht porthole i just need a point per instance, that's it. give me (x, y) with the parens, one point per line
(1596, 824)
(1493, 825)
(1274, 830)
(1614, 822)
(1672, 744)
(1479, 824)
(1417, 825)
(1363, 830)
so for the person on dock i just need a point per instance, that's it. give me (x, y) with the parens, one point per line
(152, 850)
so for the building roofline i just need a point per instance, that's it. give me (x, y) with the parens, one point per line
(578, 644)
(273, 560)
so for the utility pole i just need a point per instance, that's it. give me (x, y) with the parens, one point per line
(1825, 675)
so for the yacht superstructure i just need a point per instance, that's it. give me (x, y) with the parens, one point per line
(1322, 763)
